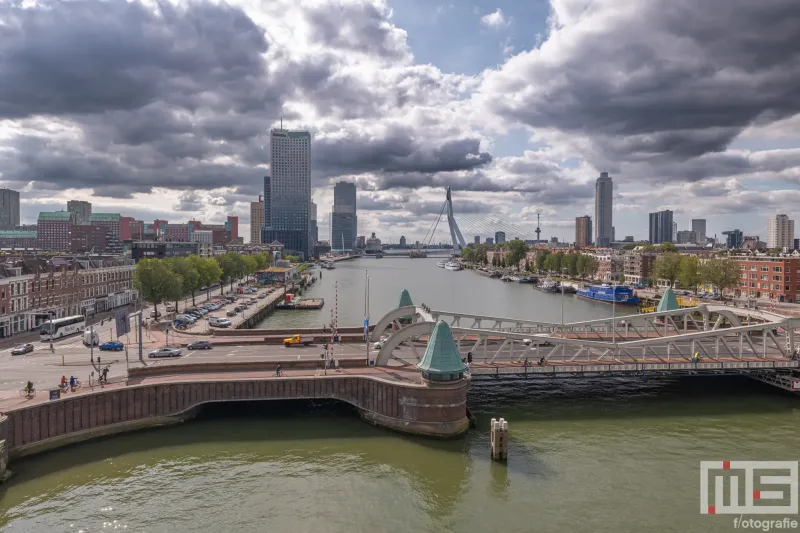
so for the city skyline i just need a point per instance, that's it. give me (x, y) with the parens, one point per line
(397, 108)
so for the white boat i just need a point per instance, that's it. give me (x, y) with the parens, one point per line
(452, 265)
(440, 264)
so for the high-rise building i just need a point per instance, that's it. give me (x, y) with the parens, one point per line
(125, 228)
(9, 208)
(661, 227)
(674, 232)
(344, 222)
(82, 211)
(583, 231)
(499, 236)
(477, 239)
(361, 242)
(403, 240)
(489, 240)
(256, 220)
(699, 228)
(780, 232)
(603, 207)
(289, 191)
(314, 226)
(734, 238)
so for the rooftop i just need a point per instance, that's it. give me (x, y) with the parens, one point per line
(59, 216)
(668, 302)
(104, 217)
(442, 355)
(18, 234)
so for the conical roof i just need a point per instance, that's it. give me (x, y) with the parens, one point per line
(668, 302)
(442, 355)
(405, 299)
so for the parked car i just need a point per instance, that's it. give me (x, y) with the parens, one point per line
(170, 308)
(112, 346)
(253, 301)
(219, 322)
(155, 314)
(231, 298)
(186, 318)
(231, 313)
(199, 345)
(262, 295)
(165, 352)
(22, 349)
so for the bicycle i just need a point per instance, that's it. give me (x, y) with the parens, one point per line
(77, 386)
(25, 393)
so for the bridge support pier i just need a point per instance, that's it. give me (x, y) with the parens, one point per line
(499, 439)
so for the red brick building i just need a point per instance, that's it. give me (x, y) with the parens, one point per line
(32, 288)
(769, 278)
(54, 230)
(110, 222)
(86, 238)
(19, 239)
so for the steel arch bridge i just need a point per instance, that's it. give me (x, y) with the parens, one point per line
(728, 340)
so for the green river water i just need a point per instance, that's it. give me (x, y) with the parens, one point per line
(584, 456)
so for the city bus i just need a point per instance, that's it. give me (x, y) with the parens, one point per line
(61, 327)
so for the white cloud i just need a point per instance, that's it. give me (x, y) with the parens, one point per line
(496, 19)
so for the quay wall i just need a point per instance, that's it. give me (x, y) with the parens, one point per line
(3, 446)
(285, 332)
(414, 408)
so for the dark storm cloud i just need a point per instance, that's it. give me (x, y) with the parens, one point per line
(397, 151)
(672, 78)
(82, 57)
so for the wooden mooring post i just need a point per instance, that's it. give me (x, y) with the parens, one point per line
(499, 441)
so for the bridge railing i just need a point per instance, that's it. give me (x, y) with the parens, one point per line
(739, 366)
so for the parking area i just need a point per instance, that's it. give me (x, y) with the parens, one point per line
(224, 311)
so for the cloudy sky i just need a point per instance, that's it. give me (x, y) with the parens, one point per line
(162, 110)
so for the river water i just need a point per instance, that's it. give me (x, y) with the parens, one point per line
(600, 456)
(440, 289)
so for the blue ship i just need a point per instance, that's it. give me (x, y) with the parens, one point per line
(606, 293)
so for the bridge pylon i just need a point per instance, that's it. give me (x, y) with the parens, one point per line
(455, 232)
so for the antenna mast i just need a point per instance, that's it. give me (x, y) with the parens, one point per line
(538, 229)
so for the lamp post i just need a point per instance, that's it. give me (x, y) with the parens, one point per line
(614, 313)
(366, 313)
(563, 271)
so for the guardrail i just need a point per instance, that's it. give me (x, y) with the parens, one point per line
(633, 368)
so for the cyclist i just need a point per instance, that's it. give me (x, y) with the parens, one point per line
(73, 382)
(29, 388)
(63, 384)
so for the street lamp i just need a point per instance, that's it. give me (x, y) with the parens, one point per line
(563, 272)
(614, 313)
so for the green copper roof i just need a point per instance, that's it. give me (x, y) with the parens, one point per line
(442, 355)
(668, 302)
(61, 216)
(104, 217)
(405, 299)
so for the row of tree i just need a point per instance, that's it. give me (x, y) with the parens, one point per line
(718, 272)
(169, 280)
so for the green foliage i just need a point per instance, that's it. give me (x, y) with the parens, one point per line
(516, 250)
(553, 262)
(190, 277)
(720, 273)
(155, 281)
(495, 262)
(689, 275)
(293, 258)
(667, 267)
(586, 265)
(570, 262)
(541, 257)
(668, 247)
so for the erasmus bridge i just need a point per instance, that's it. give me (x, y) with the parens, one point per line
(457, 225)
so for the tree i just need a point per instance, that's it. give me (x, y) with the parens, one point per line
(668, 247)
(190, 277)
(689, 275)
(155, 281)
(516, 250)
(541, 257)
(231, 265)
(720, 273)
(495, 262)
(503, 261)
(553, 262)
(527, 265)
(249, 265)
(667, 267)
(570, 262)
(586, 265)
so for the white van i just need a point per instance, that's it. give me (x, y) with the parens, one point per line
(90, 338)
(219, 322)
